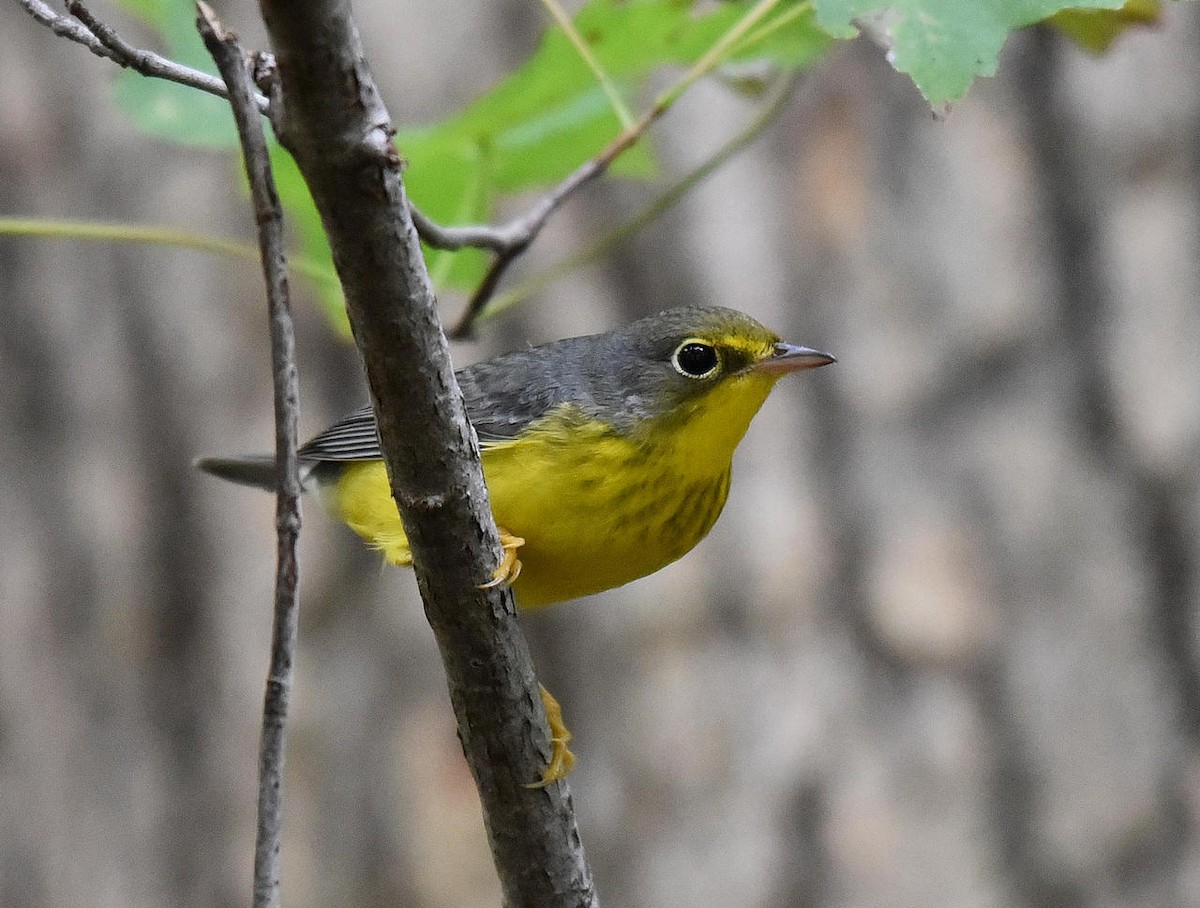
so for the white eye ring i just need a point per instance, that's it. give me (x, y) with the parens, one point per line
(696, 359)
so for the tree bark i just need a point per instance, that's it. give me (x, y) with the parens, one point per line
(329, 115)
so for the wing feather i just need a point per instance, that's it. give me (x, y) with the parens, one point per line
(354, 437)
(503, 396)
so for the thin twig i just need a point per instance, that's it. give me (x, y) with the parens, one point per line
(480, 236)
(123, 52)
(103, 41)
(268, 215)
(654, 209)
(525, 229)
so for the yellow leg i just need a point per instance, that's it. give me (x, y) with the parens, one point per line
(510, 565)
(562, 761)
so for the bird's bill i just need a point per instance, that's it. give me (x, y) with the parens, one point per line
(789, 358)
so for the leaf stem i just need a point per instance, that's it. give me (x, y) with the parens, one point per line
(767, 29)
(111, 232)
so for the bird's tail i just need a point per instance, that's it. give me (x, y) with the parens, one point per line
(257, 470)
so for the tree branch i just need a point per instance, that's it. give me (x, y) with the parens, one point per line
(654, 209)
(525, 229)
(334, 123)
(103, 41)
(268, 215)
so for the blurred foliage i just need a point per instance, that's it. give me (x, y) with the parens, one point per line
(164, 109)
(1096, 29)
(552, 114)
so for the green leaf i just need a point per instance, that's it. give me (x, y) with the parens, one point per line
(175, 112)
(944, 44)
(453, 185)
(554, 95)
(155, 13)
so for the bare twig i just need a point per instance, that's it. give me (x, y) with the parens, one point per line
(103, 41)
(481, 236)
(525, 229)
(676, 191)
(268, 215)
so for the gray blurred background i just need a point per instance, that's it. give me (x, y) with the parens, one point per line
(940, 650)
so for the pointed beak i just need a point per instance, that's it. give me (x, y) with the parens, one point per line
(787, 358)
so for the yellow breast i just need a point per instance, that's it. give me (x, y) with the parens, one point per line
(597, 508)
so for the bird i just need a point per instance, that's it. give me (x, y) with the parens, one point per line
(606, 457)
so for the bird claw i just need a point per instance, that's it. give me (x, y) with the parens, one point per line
(562, 761)
(510, 565)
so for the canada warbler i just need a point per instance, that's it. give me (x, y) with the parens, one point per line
(606, 457)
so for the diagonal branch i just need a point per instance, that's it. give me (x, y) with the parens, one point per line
(524, 230)
(655, 208)
(268, 215)
(332, 120)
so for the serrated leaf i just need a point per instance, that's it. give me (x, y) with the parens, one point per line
(943, 44)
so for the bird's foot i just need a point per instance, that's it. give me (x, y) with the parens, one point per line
(562, 761)
(510, 565)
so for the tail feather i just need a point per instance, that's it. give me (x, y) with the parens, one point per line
(247, 470)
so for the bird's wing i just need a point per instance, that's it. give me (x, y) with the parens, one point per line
(354, 437)
(506, 394)
(503, 396)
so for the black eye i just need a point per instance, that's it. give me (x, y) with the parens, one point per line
(695, 359)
